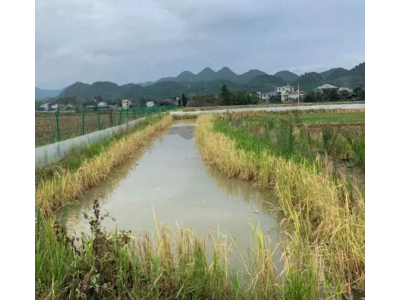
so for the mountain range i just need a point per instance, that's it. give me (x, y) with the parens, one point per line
(210, 75)
(41, 94)
(209, 82)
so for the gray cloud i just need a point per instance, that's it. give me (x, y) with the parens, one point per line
(132, 40)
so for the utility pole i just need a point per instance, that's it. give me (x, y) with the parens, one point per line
(298, 94)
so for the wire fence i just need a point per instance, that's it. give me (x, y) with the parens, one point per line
(51, 127)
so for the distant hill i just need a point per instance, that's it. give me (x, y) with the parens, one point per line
(264, 83)
(211, 82)
(208, 74)
(43, 94)
(78, 88)
(145, 83)
(348, 78)
(329, 72)
(249, 75)
(339, 77)
(337, 73)
(186, 76)
(226, 73)
(160, 90)
(100, 88)
(287, 76)
(308, 81)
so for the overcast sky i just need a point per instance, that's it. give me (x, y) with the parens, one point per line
(135, 41)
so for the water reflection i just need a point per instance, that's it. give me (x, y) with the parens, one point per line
(171, 180)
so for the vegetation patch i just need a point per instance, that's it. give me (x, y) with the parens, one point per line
(323, 254)
(323, 206)
(172, 264)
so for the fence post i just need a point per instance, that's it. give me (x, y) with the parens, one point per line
(83, 121)
(98, 120)
(58, 125)
(111, 117)
(120, 116)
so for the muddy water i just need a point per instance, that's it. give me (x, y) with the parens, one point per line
(171, 179)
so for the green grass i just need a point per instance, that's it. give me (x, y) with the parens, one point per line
(119, 266)
(285, 135)
(322, 201)
(334, 118)
(308, 118)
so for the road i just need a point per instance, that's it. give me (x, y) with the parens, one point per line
(273, 108)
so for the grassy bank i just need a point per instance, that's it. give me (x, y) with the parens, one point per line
(64, 181)
(184, 117)
(172, 264)
(324, 209)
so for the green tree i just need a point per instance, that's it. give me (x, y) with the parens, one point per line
(333, 95)
(184, 100)
(313, 96)
(360, 93)
(226, 95)
(275, 99)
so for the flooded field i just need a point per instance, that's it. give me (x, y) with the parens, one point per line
(171, 180)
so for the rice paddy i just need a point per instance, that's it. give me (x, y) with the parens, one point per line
(318, 177)
(315, 163)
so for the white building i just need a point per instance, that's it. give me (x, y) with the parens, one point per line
(326, 88)
(103, 105)
(265, 97)
(150, 103)
(345, 90)
(285, 89)
(284, 92)
(126, 103)
(294, 96)
(45, 106)
(54, 106)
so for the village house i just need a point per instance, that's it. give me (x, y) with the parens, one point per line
(344, 92)
(294, 96)
(45, 106)
(326, 89)
(167, 102)
(126, 103)
(264, 96)
(174, 101)
(347, 93)
(102, 105)
(150, 103)
(284, 93)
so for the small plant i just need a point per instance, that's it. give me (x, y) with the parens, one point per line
(329, 138)
(358, 147)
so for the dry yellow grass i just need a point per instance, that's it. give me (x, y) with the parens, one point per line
(319, 208)
(66, 186)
